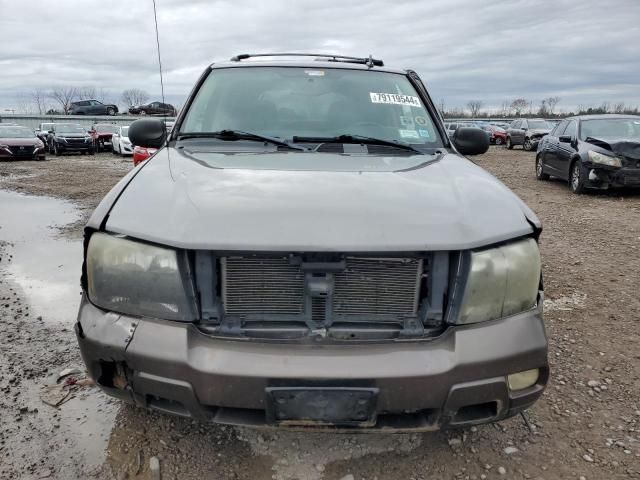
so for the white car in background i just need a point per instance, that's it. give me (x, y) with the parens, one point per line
(121, 143)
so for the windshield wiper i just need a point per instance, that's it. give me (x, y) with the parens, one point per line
(348, 138)
(233, 135)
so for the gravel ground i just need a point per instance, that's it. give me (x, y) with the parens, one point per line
(587, 425)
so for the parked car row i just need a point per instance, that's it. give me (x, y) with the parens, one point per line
(497, 134)
(96, 107)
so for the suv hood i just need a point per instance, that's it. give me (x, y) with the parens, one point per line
(445, 204)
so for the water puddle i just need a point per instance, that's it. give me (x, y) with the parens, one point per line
(45, 265)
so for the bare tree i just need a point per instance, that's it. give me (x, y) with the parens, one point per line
(474, 107)
(134, 96)
(551, 104)
(543, 111)
(64, 96)
(87, 93)
(618, 107)
(103, 95)
(519, 104)
(39, 100)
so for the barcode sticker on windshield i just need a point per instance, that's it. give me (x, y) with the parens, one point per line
(395, 99)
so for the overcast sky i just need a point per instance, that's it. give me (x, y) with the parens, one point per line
(584, 51)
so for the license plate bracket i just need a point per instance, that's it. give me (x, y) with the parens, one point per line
(322, 406)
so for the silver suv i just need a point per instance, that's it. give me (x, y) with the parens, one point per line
(308, 248)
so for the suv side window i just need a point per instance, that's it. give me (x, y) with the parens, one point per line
(572, 129)
(524, 125)
(516, 124)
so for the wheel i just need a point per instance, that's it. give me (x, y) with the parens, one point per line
(527, 145)
(540, 175)
(56, 150)
(111, 111)
(578, 177)
(509, 144)
(498, 140)
(143, 112)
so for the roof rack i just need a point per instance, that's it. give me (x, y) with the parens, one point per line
(369, 62)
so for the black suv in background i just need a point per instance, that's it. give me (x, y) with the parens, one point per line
(92, 107)
(153, 108)
(70, 137)
(527, 132)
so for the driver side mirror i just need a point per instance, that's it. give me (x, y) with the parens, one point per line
(148, 132)
(565, 138)
(470, 140)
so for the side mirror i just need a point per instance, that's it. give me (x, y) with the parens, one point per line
(470, 140)
(148, 132)
(50, 131)
(565, 138)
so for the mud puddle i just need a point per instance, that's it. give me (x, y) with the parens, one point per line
(44, 269)
(45, 265)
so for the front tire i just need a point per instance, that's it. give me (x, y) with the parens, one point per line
(509, 143)
(527, 145)
(540, 175)
(498, 141)
(143, 112)
(56, 150)
(111, 111)
(577, 178)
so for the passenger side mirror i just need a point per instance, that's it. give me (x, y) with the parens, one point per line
(148, 132)
(565, 138)
(471, 140)
(50, 131)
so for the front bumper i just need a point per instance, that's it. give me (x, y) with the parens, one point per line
(456, 379)
(615, 177)
(74, 147)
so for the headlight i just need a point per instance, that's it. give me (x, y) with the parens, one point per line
(502, 281)
(602, 159)
(138, 279)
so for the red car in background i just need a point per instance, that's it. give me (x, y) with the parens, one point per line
(101, 134)
(140, 154)
(497, 135)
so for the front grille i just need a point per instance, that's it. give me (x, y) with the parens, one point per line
(22, 151)
(259, 286)
(369, 288)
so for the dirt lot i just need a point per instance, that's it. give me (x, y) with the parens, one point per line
(587, 425)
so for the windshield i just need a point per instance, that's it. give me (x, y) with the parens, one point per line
(70, 129)
(611, 128)
(15, 132)
(538, 125)
(285, 102)
(125, 131)
(106, 128)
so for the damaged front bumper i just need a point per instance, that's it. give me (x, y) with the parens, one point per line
(459, 378)
(604, 177)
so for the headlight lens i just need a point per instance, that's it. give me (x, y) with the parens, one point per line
(602, 159)
(522, 380)
(502, 281)
(135, 278)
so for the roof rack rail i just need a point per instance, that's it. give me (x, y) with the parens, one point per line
(370, 61)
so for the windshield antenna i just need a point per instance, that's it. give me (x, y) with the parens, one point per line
(155, 17)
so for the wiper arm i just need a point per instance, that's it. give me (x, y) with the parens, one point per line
(348, 138)
(233, 135)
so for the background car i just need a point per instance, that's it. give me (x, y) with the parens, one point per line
(101, 134)
(497, 135)
(70, 137)
(120, 143)
(527, 132)
(92, 107)
(20, 143)
(153, 108)
(592, 151)
(140, 154)
(42, 132)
